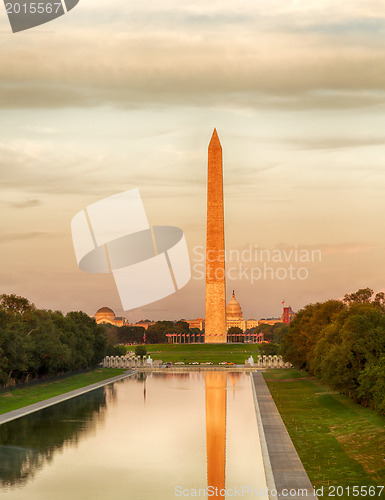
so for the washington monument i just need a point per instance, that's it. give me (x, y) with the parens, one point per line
(215, 315)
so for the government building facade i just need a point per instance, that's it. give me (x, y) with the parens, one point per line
(234, 319)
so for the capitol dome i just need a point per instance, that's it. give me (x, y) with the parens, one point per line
(104, 313)
(233, 309)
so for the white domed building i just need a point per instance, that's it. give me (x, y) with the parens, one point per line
(234, 315)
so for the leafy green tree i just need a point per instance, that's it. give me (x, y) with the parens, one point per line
(50, 355)
(35, 342)
(16, 349)
(266, 330)
(116, 350)
(141, 351)
(130, 334)
(332, 361)
(362, 296)
(371, 388)
(365, 296)
(183, 325)
(299, 341)
(343, 343)
(234, 330)
(157, 333)
(15, 304)
(271, 333)
(379, 300)
(279, 331)
(234, 334)
(268, 349)
(356, 338)
(88, 339)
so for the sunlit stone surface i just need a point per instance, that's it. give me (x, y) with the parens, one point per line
(215, 314)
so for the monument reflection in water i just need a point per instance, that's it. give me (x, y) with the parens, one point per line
(140, 438)
(215, 391)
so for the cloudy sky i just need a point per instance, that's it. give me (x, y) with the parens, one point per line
(117, 95)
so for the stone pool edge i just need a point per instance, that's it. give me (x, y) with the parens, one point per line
(287, 469)
(269, 476)
(45, 403)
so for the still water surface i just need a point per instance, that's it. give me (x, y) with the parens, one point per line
(137, 439)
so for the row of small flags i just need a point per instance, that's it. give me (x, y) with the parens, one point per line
(188, 335)
(214, 335)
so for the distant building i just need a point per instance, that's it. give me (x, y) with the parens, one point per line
(252, 323)
(270, 321)
(287, 315)
(196, 323)
(106, 316)
(234, 317)
(144, 324)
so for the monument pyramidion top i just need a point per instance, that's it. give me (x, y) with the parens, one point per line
(215, 142)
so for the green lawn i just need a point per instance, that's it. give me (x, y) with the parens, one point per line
(339, 442)
(201, 353)
(14, 399)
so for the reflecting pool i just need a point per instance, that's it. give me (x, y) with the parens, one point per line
(143, 438)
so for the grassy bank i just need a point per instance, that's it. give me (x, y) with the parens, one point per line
(18, 398)
(203, 353)
(339, 442)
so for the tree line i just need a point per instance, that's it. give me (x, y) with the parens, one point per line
(342, 342)
(36, 342)
(155, 334)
